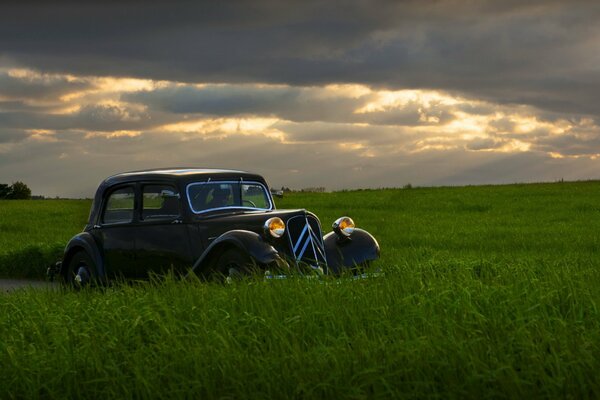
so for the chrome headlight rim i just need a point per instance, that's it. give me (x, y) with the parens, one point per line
(344, 226)
(275, 227)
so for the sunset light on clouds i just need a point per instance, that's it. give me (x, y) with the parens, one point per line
(367, 97)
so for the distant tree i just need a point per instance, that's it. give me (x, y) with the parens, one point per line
(19, 191)
(4, 191)
(319, 189)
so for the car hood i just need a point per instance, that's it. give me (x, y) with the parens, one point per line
(248, 216)
(253, 221)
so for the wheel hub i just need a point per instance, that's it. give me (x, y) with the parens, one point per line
(83, 276)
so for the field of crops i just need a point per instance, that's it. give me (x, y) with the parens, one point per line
(489, 291)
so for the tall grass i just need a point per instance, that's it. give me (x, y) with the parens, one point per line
(488, 292)
(33, 233)
(430, 330)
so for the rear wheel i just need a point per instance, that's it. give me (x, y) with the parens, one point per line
(81, 271)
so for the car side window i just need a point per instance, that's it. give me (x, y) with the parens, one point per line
(160, 202)
(254, 195)
(119, 206)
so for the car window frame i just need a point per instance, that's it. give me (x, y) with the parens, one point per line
(191, 208)
(106, 196)
(173, 186)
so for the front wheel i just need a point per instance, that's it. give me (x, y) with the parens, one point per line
(360, 268)
(81, 271)
(234, 264)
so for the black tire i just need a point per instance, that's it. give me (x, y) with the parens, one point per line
(81, 271)
(234, 264)
(361, 268)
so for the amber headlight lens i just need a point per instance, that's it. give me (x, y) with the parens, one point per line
(343, 226)
(275, 226)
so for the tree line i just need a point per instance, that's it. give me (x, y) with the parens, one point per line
(17, 191)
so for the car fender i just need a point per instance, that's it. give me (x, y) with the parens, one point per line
(247, 241)
(83, 241)
(344, 253)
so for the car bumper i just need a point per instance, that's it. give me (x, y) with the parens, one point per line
(365, 275)
(54, 270)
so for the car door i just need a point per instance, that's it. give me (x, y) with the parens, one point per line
(115, 231)
(162, 243)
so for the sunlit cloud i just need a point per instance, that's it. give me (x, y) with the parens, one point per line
(40, 132)
(387, 100)
(32, 76)
(221, 127)
(426, 120)
(113, 134)
(350, 129)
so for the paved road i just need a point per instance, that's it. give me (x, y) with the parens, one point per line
(9, 285)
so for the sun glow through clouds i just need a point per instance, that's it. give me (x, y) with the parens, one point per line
(356, 121)
(227, 126)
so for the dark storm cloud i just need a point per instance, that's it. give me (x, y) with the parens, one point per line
(38, 87)
(484, 144)
(504, 91)
(541, 53)
(94, 117)
(11, 135)
(292, 103)
(298, 104)
(570, 145)
(18, 105)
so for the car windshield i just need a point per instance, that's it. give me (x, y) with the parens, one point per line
(207, 196)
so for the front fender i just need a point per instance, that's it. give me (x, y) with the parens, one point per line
(83, 241)
(249, 242)
(359, 248)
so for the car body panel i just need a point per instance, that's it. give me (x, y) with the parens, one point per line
(161, 247)
(83, 241)
(360, 248)
(250, 242)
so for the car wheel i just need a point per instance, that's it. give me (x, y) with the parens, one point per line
(234, 264)
(361, 268)
(81, 271)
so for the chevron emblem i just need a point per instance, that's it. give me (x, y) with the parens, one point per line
(309, 245)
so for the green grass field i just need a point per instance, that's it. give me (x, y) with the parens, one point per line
(489, 291)
(33, 234)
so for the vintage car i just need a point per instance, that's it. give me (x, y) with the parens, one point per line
(210, 221)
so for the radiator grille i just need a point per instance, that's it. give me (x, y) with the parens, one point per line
(306, 241)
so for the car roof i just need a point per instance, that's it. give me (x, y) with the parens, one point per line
(180, 174)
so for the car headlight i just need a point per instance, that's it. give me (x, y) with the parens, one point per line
(275, 226)
(343, 226)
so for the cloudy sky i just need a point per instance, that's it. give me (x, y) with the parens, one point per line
(336, 94)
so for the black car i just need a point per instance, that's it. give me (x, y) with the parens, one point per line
(213, 222)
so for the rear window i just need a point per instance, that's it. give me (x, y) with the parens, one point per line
(119, 206)
(206, 196)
